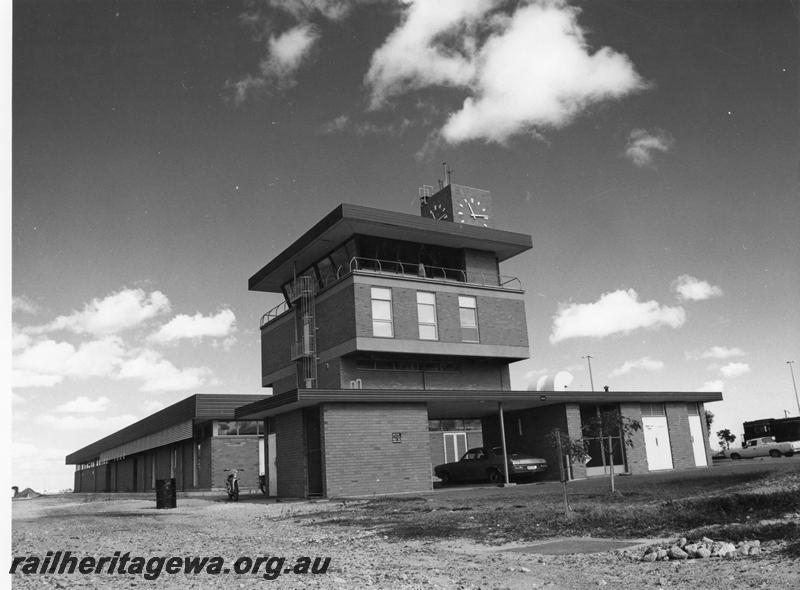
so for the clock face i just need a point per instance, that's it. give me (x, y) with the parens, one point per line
(473, 211)
(438, 211)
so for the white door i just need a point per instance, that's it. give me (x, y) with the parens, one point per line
(656, 442)
(455, 445)
(698, 442)
(273, 471)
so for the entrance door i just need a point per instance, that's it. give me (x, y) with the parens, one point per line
(272, 470)
(698, 443)
(455, 445)
(656, 442)
(311, 418)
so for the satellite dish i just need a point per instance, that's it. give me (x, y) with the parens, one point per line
(558, 382)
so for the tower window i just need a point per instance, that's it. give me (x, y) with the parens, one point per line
(426, 316)
(468, 313)
(382, 312)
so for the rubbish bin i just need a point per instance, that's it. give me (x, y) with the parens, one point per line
(165, 493)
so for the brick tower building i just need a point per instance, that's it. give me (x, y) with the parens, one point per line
(393, 325)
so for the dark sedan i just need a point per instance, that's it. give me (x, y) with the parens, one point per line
(486, 463)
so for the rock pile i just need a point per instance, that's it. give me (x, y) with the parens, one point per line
(702, 549)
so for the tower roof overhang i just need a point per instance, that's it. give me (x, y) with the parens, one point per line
(348, 220)
(460, 404)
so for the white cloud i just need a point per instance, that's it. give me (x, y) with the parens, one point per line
(534, 70)
(618, 312)
(711, 386)
(153, 406)
(732, 370)
(643, 144)
(46, 363)
(159, 374)
(286, 53)
(41, 468)
(716, 352)
(287, 48)
(414, 55)
(537, 73)
(198, 326)
(19, 340)
(115, 313)
(689, 288)
(644, 363)
(23, 305)
(84, 405)
(336, 125)
(103, 424)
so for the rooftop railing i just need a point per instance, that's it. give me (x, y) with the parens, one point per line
(436, 273)
(410, 270)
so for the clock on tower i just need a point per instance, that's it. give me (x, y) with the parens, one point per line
(459, 204)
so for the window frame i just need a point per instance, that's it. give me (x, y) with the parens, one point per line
(427, 305)
(374, 291)
(464, 304)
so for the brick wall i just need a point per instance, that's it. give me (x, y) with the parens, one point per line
(204, 478)
(276, 340)
(702, 409)
(285, 384)
(481, 265)
(290, 461)
(335, 316)
(637, 454)
(329, 375)
(234, 452)
(360, 457)
(501, 319)
(679, 436)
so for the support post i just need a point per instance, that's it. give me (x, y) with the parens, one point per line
(503, 440)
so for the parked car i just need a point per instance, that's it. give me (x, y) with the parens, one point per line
(486, 463)
(763, 447)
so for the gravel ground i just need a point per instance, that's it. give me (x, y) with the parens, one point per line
(358, 558)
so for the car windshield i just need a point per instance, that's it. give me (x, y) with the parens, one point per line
(509, 452)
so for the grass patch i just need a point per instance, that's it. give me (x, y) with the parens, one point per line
(732, 505)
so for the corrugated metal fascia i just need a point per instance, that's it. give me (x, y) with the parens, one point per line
(203, 405)
(265, 403)
(175, 433)
(222, 406)
(177, 412)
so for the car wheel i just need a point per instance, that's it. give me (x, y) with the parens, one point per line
(774, 453)
(495, 476)
(789, 454)
(735, 456)
(445, 477)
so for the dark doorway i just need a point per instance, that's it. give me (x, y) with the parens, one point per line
(311, 420)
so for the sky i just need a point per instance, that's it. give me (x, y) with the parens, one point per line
(163, 152)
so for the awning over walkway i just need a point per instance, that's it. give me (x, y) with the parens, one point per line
(443, 404)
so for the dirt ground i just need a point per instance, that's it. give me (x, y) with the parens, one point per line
(358, 558)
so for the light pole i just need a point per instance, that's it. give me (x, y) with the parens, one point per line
(588, 358)
(794, 384)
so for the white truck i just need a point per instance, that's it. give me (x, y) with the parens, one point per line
(764, 446)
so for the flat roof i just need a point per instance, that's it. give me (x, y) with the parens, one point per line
(200, 406)
(444, 404)
(348, 220)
